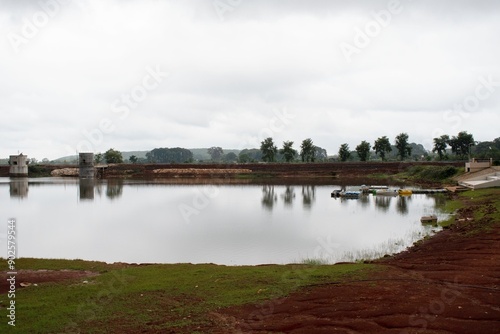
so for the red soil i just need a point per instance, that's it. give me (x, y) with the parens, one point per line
(447, 284)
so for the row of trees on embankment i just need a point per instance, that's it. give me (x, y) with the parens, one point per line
(446, 148)
(459, 147)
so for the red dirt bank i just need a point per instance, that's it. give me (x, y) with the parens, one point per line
(447, 284)
(330, 169)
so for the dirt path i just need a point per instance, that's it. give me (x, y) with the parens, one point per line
(31, 277)
(447, 284)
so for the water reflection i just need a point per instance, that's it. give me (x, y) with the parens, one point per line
(86, 191)
(114, 189)
(19, 187)
(268, 197)
(308, 196)
(234, 227)
(89, 187)
(383, 202)
(402, 204)
(364, 200)
(288, 196)
(439, 199)
(86, 188)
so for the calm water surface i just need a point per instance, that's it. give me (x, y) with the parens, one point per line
(132, 221)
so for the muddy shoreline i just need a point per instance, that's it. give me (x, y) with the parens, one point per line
(449, 283)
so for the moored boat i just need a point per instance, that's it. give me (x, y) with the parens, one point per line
(404, 192)
(336, 193)
(350, 194)
(385, 192)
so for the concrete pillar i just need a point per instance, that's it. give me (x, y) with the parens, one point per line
(86, 166)
(18, 165)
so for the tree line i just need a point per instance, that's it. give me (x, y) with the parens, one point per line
(457, 147)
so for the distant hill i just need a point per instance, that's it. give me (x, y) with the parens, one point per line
(202, 153)
(198, 154)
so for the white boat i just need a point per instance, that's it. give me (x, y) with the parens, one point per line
(386, 192)
(378, 187)
(350, 194)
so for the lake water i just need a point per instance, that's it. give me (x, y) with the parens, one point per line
(157, 222)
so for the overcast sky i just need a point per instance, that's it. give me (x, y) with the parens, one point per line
(135, 75)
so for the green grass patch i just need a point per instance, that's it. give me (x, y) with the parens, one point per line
(430, 173)
(486, 204)
(159, 298)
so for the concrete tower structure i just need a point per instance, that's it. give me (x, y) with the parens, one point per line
(86, 166)
(18, 165)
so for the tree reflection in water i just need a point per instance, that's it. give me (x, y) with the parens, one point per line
(268, 196)
(288, 196)
(383, 202)
(402, 204)
(365, 200)
(114, 189)
(308, 194)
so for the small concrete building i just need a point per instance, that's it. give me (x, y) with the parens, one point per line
(476, 165)
(86, 166)
(18, 165)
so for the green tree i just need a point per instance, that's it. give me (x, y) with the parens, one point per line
(460, 145)
(288, 151)
(382, 146)
(98, 158)
(133, 159)
(320, 154)
(216, 153)
(250, 155)
(307, 150)
(169, 155)
(440, 144)
(113, 157)
(402, 145)
(230, 157)
(268, 149)
(363, 150)
(344, 152)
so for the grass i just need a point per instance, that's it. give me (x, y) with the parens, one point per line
(39, 171)
(165, 298)
(438, 174)
(486, 204)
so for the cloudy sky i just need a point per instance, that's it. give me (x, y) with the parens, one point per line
(87, 75)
